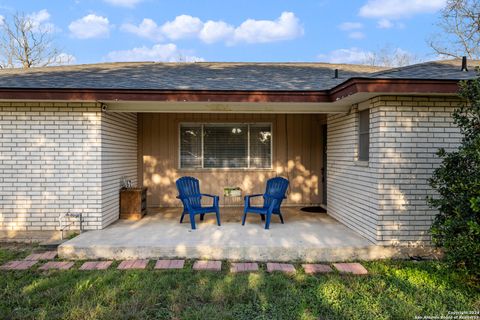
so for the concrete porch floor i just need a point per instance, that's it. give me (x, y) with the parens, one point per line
(304, 236)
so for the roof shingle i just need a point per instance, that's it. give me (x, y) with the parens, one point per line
(220, 76)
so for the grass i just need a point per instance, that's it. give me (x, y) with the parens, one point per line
(392, 290)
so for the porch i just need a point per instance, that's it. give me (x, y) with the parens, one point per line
(304, 236)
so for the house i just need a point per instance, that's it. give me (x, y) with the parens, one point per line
(359, 140)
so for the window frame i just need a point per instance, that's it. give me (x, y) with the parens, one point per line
(360, 133)
(202, 124)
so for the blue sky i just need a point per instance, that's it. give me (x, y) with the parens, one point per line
(211, 30)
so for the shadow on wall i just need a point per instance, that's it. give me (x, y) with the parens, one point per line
(52, 173)
(160, 176)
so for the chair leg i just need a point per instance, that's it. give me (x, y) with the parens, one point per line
(202, 216)
(181, 218)
(263, 217)
(281, 217)
(244, 216)
(267, 223)
(217, 212)
(192, 221)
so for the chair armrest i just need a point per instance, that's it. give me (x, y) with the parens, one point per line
(253, 195)
(215, 198)
(208, 195)
(247, 199)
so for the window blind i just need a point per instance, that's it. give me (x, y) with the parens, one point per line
(232, 145)
(260, 146)
(191, 146)
(225, 146)
(364, 135)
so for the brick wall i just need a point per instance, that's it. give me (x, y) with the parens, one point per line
(405, 134)
(51, 163)
(411, 130)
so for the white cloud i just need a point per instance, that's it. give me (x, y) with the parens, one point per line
(2, 20)
(183, 26)
(159, 52)
(124, 3)
(351, 55)
(90, 26)
(384, 24)
(146, 29)
(286, 27)
(346, 26)
(214, 31)
(356, 35)
(397, 9)
(40, 21)
(65, 59)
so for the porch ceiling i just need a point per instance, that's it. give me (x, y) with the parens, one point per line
(226, 107)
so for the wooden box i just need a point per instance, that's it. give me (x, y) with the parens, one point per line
(133, 203)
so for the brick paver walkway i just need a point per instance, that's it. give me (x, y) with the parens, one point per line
(60, 265)
(207, 265)
(96, 265)
(244, 267)
(282, 267)
(47, 255)
(210, 265)
(316, 268)
(133, 264)
(18, 265)
(169, 264)
(352, 268)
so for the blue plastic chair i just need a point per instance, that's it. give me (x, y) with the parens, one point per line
(272, 200)
(189, 194)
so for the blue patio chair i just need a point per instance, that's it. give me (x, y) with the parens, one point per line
(272, 199)
(189, 194)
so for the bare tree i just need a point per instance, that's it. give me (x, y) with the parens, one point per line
(390, 57)
(26, 43)
(460, 26)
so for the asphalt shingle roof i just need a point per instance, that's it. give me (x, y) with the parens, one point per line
(219, 76)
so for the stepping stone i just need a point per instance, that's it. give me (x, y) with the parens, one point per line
(353, 268)
(207, 265)
(244, 267)
(96, 265)
(60, 265)
(169, 264)
(282, 267)
(133, 264)
(316, 268)
(18, 265)
(47, 255)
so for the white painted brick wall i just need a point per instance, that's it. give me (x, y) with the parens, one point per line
(405, 134)
(51, 163)
(421, 126)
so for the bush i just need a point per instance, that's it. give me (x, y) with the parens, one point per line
(456, 228)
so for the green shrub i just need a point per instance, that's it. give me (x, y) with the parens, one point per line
(457, 181)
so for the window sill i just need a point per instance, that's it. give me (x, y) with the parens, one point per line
(361, 163)
(224, 169)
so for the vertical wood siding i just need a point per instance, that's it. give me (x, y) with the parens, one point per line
(296, 145)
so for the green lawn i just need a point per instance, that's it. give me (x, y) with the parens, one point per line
(393, 290)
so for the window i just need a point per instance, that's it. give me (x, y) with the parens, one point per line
(363, 134)
(232, 145)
